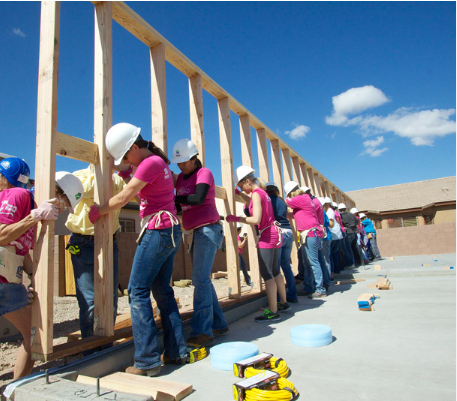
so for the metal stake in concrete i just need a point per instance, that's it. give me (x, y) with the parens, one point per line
(98, 387)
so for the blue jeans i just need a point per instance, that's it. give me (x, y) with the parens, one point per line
(313, 272)
(354, 248)
(284, 262)
(208, 315)
(325, 261)
(83, 269)
(374, 246)
(349, 256)
(335, 257)
(151, 271)
(244, 269)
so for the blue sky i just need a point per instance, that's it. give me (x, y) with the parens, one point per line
(365, 91)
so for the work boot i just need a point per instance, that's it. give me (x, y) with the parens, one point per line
(173, 361)
(201, 339)
(317, 295)
(304, 293)
(220, 332)
(140, 372)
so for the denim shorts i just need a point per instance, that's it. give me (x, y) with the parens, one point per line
(12, 297)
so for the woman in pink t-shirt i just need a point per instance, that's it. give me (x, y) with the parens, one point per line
(158, 243)
(270, 238)
(196, 193)
(308, 225)
(17, 220)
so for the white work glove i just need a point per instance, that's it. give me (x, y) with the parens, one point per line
(46, 211)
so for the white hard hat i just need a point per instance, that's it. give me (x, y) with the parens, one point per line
(334, 204)
(183, 150)
(327, 200)
(71, 186)
(241, 173)
(321, 200)
(305, 188)
(341, 206)
(290, 186)
(362, 215)
(354, 210)
(239, 225)
(271, 184)
(119, 140)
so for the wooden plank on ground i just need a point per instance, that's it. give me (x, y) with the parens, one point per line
(45, 167)
(132, 387)
(377, 267)
(349, 281)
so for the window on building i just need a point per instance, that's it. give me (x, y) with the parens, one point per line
(127, 225)
(428, 219)
(402, 222)
(377, 224)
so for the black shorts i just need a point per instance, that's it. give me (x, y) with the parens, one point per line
(268, 262)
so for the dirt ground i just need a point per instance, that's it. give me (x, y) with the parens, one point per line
(66, 321)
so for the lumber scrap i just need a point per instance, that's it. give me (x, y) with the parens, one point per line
(382, 283)
(377, 267)
(219, 275)
(349, 281)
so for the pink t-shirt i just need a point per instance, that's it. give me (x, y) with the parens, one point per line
(240, 250)
(305, 214)
(269, 237)
(320, 214)
(15, 205)
(198, 215)
(338, 218)
(158, 193)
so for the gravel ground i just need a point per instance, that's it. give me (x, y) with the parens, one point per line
(66, 321)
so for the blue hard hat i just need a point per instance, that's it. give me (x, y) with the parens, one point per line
(16, 171)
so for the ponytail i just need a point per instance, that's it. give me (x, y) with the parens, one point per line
(141, 143)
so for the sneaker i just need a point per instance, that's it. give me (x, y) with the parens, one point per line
(219, 332)
(268, 316)
(317, 295)
(292, 301)
(201, 339)
(283, 307)
(140, 372)
(304, 293)
(173, 361)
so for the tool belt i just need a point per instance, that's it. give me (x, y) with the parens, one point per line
(145, 221)
(11, 265)
(304, 234)
(276, 226)
(190, 234)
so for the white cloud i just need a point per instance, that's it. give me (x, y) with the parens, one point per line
(18, 32)
(371, 145)
(299, 131)
(421, 127)
(353, 101)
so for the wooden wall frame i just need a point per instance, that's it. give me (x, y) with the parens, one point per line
(286, 161)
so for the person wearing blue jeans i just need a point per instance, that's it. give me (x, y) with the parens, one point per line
(151, 271)
(284, 262)
(82, 259)
(208, 315)
(280, 212)
(314, 279)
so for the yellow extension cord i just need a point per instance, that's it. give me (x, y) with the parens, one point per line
(281, 368)
(196, 354)
(256, 394)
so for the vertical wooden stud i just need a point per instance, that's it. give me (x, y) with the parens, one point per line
(45, 167)
(247, 160)
(159, 97)
(264, 171)
(311, 180)
(276, 164)
(231, 241)
(317, 185)
(197, 131)
(103, 189)
(304, 175)
(296, 170)
(288, 177)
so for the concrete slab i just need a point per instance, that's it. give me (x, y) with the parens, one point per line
(404, 350)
